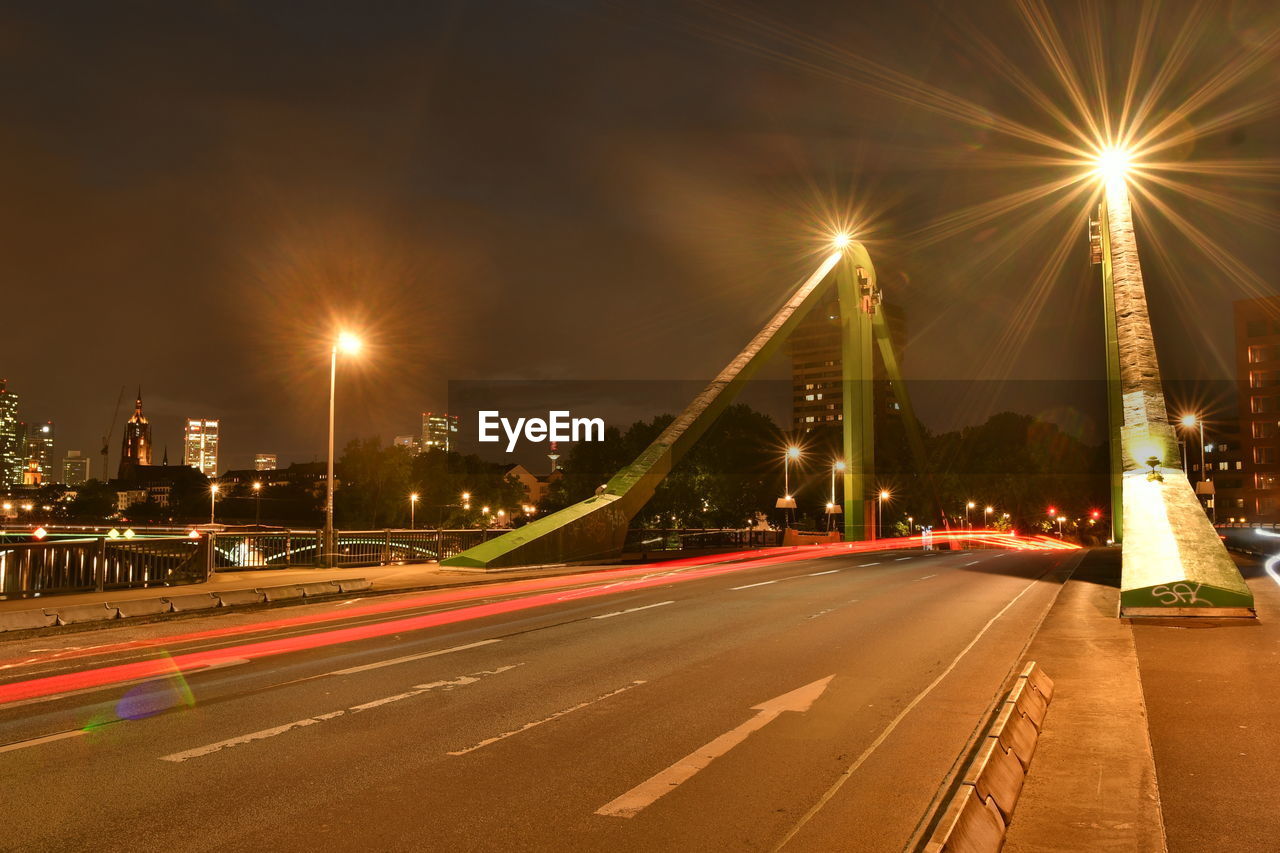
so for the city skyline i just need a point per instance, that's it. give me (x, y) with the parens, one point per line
(271, 266)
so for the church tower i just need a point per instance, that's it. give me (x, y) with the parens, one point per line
(137, 441)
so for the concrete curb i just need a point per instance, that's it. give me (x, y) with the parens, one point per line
(25, 620)
(979, 812)
(135, 608)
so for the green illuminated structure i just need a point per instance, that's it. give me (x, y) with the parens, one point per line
(1173, 562)
(594, 530)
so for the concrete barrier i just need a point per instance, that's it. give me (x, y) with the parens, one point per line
(970, 825)
(193, 601)
(980, 809)
(25, 620)
(311, 590)
(237, 597)
(141, 607)
(78, 613)
(354, 585)
(281, 593)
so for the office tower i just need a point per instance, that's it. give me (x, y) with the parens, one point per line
(37, 448)
(265, 462)
(200, 445)
(75, 468)
(136, 449)
(11, 451)
(1258, 374)
(438, 431)
(817, 396)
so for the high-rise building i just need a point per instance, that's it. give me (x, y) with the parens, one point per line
(438, 431)
(1258, 377)
(200, 445)
(816, 365)
(75, 468)
(11, 451)
(265, 462)
(37, 452)
(408, 442)
(136, 449)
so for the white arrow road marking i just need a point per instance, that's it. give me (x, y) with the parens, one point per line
(646, 793)
(262, 734)
(893, 724)
(557, 715)
(632, 610)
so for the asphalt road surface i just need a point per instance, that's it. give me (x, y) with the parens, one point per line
(804, 705)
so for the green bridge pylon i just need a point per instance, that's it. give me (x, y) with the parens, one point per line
(1173, 562)
(595, 529)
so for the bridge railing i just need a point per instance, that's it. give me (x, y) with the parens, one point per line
(279, 549)
(646, 539)
(85, 565)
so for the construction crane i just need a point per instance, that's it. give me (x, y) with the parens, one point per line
(106, 439)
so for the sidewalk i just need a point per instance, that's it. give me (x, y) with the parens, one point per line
(1091, 785)
(1162, 734)
(238, 588)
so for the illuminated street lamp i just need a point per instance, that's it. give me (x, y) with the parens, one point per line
(257, 503)
(880, 499)
(349, 344)
(841, 240)
(213, 500)
(833, 508)
(986, 515)
(967, 507)
(1192, 422)
(413, 505)
(787, 501)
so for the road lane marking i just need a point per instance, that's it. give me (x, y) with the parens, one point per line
(647, 792)
(380, 664)
(632, 610)
(557, 715)
(900, 559)
(750, 585)
(37, 741)
(864, 565)
(974, 563)
(827, 572)
(263, 734)
(893, 724)
(925, 578)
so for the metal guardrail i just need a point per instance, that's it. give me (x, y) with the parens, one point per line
(85, 565)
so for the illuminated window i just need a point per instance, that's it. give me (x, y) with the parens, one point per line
(1266, 482)
(1264, 429)
(1263, 405)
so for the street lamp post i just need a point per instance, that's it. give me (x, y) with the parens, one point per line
(787, 502)
(880, 499)
(834, 508)
(1196, 422)
(986, 515)
(348, 343)
(213, 500)
(257, 504)
(413, 505)
(967, 507)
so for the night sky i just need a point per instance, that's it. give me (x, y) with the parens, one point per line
(196, 194)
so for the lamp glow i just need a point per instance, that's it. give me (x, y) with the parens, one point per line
(841, 240)
(1113, 163)
(348, 343)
